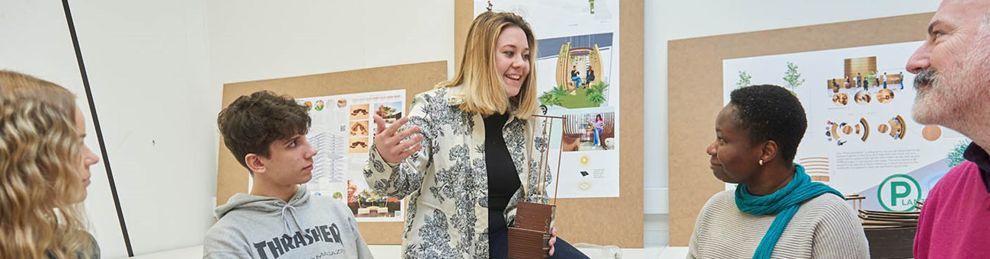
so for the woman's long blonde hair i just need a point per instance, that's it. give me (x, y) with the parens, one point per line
(41, 186)
(483, 92)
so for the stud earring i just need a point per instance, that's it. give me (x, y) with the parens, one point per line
(761, 161)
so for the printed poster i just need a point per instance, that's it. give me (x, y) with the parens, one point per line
(342, 130)
(861, 138)
(577, 64)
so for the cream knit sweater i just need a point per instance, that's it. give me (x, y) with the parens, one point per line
(824, 227)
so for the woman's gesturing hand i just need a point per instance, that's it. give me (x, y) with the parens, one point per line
(393, 145)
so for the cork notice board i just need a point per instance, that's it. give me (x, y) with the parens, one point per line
(695, 94)
(605, 221)
(415, 78)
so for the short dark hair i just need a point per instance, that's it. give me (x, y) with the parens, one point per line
(252, 122)
(770, 112)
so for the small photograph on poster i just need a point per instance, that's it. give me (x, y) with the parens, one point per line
(360, 112)
(885, 96)
(580, 71)
(840, 99)
(841, 132)
(390, 112)
(319, 105)
(308, 104)
(863, 97)
(366, 204)
(359, 128)
(589, 131)
(358, 145)
(862, 81)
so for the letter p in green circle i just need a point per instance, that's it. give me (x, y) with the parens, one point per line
(899, 192)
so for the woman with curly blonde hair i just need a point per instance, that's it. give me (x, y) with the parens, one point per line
(44, 171)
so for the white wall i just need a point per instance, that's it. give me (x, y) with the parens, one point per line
(258, 39)
(148, 65)
(35, 40)
(670, 20)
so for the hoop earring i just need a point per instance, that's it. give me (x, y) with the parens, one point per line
(761, 162)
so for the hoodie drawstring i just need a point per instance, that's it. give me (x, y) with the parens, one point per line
(285, 211)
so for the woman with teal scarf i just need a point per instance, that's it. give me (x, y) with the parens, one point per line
(776, 211)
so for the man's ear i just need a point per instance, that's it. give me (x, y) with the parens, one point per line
(255, 163)
(769, 151)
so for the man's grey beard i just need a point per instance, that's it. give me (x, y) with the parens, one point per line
(927, 76)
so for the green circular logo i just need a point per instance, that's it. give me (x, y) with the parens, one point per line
(899, 192)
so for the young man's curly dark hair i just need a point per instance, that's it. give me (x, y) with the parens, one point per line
(770, 112)
(252, 122)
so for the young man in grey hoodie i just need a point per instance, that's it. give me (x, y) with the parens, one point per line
(278, 219)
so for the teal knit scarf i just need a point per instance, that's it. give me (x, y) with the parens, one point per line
(783, 202)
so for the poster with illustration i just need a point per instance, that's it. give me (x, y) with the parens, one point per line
(342, 130)
(577, 64)
(861, 138)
